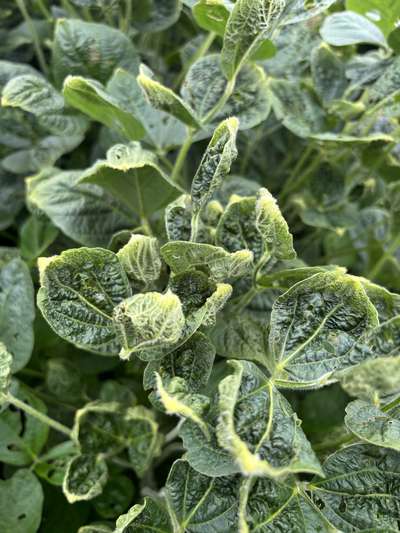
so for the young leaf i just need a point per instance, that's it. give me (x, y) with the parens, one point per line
(250, 22)
(316, 327)
(182, 256)
(141, 259)
(164, 99)
(130, 174)
(85, 478)
(215, 164)
(148, 321)
(90, 97)
(17, 310)
(372, 425)
(257, 451)
(21, 503)
(178, 218)
(91, 50)
(79, 290)
(74, 207)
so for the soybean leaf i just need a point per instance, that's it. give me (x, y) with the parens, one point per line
(164, 99)
(346, 28)
(11, 198)
(205, 84)
(300, 10)
(90, 97)
(182, 256)
(258, 452)
(358, 477)
(74, 207)
(131, 174)
(85, 478)
(328, 72)
(212, 15)
(249, 23)
(21, 503)
(372, 425)
(141, 259)
(16, 308)
(178, 219)
(52, 465)
(36, 236)
(316, 327)
(79, 290)
(215, 164)
(383, 14)
(148, 516)
(89, 49)
(5, 370)
(155, 15)
(115, 498)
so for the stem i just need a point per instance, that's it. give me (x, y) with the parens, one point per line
(128, 16)
(195, 227)
(174, 433)
(44, 10)
(230, 86)
(69, 9)
(291, 181)
(333, 444)
(374, 272)
(394, 403)
(182, 156)
(19, 404)
(202, 50)
(35, 38)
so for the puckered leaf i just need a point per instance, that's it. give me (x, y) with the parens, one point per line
(74, 207)
(250, 22)
(316, 327)
(178, 216)
(212, 15)
(17, 310)
(164, 99)
(21, 502)
(372, 425)
(149, 321)
(131, 175)
(182, 256)
(258, 427)
(90, 97)
(360, 489)
(205, 85)
(79, 290)
(215, 164)
(88, 49)
(32, 94)
(141, 259)
(148, 516)
(85, 478)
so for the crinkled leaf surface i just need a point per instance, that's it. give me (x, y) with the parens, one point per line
(85, 478)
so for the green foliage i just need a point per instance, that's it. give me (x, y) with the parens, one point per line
(199, 266)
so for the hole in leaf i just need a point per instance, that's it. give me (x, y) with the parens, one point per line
(22, 516)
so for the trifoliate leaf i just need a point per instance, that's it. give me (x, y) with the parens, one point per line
(205, 85)
(250, 22)
(372, 425)
(316, 326)
(90, 97)
(215, 165)
(164, 99)
(17, 310)
(149, 321)
(21, 503)
(252, 435)
(74, 207)
(182, 256)
(79, 290)
(89, 49)
(85, 478)
(130, 174)
(141, 259)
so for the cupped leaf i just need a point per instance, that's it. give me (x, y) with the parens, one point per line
(205, 84)
(79, 290)
(258, 427)
(149, 321)
(74, 207)
(85, 478)
(90, 97)
(215, 164)
(149, 516)
(89, 49)
(131, 175)
(373, 425)
(182, 256)
(360, 490)
(164, 99)
(250, 22)
(316, 327)
(141, 259)
(17, 310)
(21, 503)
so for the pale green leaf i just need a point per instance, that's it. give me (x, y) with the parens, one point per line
(178, 217)
(346, 28)
(5, 370)
(384, 13)
(141, 259)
